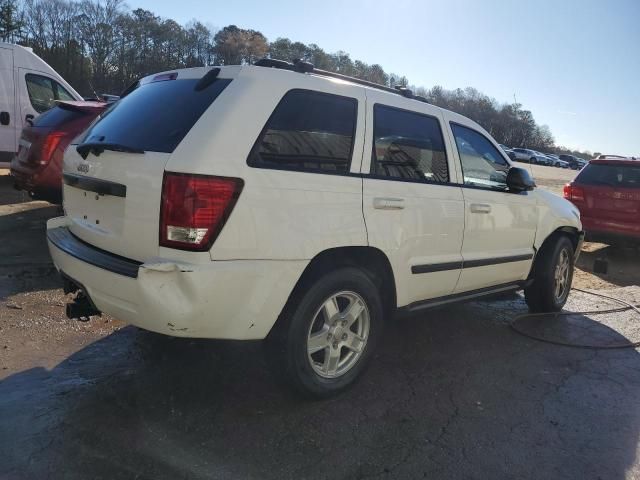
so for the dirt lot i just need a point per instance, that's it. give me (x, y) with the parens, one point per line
(453, 393)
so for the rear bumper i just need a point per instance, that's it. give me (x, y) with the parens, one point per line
(47, 178)
(608, 231)
(237, 299)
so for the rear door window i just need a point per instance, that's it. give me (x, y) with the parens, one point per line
(607, 175)
(407, 145)
(309, 131)
(156, 116)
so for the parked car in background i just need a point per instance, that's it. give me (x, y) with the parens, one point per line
(530, 156)
(575, 163)
(239, 202)
(28, 87)
(607, 193)
(556, 162)
(540, 158)
(37, 168)
(510, 153)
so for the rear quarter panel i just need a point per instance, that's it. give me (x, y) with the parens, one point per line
(280, 215)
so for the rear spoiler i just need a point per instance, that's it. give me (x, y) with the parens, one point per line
(82, 106)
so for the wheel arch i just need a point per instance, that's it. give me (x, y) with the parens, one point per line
(571, 232)
(370, 260)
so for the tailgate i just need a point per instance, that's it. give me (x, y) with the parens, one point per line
(113, 200)
(113, 186)
(613, 204)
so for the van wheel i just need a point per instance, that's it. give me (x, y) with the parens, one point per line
(552, 276)
(325, 337)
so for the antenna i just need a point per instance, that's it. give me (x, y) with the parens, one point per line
(93, 90)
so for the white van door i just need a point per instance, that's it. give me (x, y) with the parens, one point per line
(8, 119)
(38, 93)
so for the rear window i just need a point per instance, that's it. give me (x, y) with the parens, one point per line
(57, 116)
(621, 176)
(156, 116)
(308, 131)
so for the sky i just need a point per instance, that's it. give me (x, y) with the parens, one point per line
(574, 63)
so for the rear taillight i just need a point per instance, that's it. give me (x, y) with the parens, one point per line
(49, 145)
(194, 209)
(573, 193)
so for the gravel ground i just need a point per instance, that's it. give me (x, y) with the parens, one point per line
(452, 393)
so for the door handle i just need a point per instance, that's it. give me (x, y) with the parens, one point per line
(480, 208)
(5, 118)
(385, 203)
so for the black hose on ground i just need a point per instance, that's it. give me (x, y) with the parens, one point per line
(627, 306)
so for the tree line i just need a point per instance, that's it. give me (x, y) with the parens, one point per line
(100, 46)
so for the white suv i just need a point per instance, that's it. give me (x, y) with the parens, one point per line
(300, 206)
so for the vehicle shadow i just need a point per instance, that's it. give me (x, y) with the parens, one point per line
(25, 264)
(9, 195)
(452, 393)
(622, 263)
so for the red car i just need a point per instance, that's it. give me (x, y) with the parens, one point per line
(37, 167)
(607, 193)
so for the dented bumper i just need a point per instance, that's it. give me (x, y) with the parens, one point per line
(236, 299)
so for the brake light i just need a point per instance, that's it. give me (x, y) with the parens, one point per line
(573, 193)
(194, 208)
(49, 146)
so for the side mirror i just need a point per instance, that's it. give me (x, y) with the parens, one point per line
(519, 180)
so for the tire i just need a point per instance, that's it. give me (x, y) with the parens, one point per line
(548, 292)
(313, 322)
(533, 160)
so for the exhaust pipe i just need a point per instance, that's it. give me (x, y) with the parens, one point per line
(81, 308)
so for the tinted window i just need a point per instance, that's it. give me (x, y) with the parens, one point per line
(407, 145)
(482, 164)
(621, 176)
(43, 92)
(308, 131)
(156, 116)
(57, 116)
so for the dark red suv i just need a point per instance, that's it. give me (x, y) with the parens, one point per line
(37, 167)
(607, 193)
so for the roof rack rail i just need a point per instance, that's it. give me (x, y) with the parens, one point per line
(301, 66)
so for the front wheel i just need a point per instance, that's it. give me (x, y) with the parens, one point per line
(552, 276)
(326, 336)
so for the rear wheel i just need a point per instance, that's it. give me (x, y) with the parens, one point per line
(325, 338)
(552, 276)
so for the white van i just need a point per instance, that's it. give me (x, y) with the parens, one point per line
(28, 87)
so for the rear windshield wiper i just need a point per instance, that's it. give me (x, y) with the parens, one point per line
(98, 147)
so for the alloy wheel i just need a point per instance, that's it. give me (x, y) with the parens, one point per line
(338, 334)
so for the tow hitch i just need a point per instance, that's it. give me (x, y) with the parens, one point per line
(81, 308)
